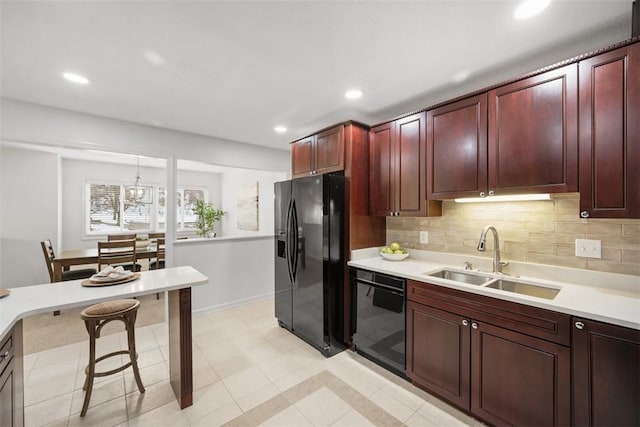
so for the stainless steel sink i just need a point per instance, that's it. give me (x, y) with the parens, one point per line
(459, 276)
(524, 288)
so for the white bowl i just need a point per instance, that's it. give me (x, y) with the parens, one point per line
(141, 244)
(394, 257)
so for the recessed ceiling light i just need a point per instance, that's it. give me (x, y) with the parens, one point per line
(353, 94)
(154, 58)
(280, 129)
(529, 8)
(76, 78)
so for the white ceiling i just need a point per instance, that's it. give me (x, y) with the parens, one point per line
(234, 70)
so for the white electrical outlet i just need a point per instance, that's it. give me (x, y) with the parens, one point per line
(424, 237)
(589, 248)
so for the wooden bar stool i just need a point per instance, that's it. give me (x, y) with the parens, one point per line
(95, 317)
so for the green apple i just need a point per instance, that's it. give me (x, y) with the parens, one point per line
(395, 246)
(398, 252)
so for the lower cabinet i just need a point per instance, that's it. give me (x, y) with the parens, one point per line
(11, 379)
(467, 349)
(606, 374)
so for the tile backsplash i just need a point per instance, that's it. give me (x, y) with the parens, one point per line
(542, 232)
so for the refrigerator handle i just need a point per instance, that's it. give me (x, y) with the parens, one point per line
(288, 240)
(294, 247)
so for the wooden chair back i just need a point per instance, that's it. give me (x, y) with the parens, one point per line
(116, 252)
(114, 237)
(49, 255)
(156, 235)
(160, 251)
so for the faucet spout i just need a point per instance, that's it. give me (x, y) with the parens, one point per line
(497, 264)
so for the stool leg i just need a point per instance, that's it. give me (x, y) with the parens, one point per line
(133, 355)
(91, 368)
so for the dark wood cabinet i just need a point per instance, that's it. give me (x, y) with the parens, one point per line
(486, 355)
(610, 134)
(457, 149)
(533, 134)
(606, 374)
(318, 154)
(398, 168)
(11, 373)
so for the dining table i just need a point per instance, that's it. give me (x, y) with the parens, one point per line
(73, 257)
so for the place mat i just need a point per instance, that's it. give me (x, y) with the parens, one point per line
(4, 292)
(90, 283)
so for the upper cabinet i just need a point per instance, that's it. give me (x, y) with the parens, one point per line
(610, 134)
(457, 149)
(533, 134)
(398, 168)
(318, 154)
(517, 138)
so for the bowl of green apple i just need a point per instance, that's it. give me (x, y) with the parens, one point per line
(393, 252)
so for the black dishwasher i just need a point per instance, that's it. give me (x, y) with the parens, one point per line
(378, 318)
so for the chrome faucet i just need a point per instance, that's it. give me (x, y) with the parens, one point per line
(497, 264)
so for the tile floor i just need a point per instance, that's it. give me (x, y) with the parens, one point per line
(247, 372)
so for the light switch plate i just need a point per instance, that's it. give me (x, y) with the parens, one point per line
(589, 248)
(424, 237)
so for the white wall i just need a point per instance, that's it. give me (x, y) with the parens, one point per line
(231, 182)
(29, 206)
(32, 123)
(239, 271)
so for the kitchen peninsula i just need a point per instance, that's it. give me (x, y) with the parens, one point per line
(30, 300)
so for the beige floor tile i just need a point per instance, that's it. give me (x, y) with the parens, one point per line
(29, 361)
(224, 350)
(149, 357)
(150, 375)
(256, 397)
(299, 375)
(220, 417)
(323, 407)
(155, 396)
(107, 414)
(245, 382)
(417, 420)
(203, 377)
(169, 414)
(102, 392)
(48, 411)
(261, 352)
(392, 405)
(277, 367)
(290, 417)
(210, 338)
(208, 400)
(47, 373)
(448, 416)
(231, 365)
(45, 390)
(352, 419)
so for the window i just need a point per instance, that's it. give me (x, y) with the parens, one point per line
(114, 207)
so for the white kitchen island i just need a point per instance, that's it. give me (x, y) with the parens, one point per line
(29, 300)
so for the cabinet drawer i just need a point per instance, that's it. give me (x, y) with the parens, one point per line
(6, 352)
(533, 321)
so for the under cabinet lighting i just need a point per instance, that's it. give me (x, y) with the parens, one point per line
(506, 198)
(529, 8)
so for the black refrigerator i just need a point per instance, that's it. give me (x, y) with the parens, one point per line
(309, 259)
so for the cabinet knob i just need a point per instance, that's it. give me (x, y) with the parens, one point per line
(465, 322)
(474, 325)
(4, 355)
(482, 194)
(491, 193)
(584, 214)
(579, 325)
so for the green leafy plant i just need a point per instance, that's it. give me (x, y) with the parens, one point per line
(207, 215)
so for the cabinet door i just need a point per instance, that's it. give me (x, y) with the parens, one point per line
(533, 134)
(381, 160)
(302, 157)
(457, 149)
(518, 379)
(438, 345)
(610, 134)
(329, 150)
(606, 374)
(410, 158)
(7, 390)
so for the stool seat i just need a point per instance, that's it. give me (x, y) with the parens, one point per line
(95, 317)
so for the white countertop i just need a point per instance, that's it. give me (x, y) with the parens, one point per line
(607, 297)
(29, 300)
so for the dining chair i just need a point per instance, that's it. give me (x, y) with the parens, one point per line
(160, 252)
(153, 236)
(49, 256)
(118, 253)
(112, 237)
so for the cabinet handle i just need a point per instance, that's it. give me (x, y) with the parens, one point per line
(5, 355)
(584, 214)
(474, 325)
(579, 325)
(465, 322)
(491, 193)
(482, 194)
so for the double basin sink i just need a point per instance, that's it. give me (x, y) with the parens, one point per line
(489, 281)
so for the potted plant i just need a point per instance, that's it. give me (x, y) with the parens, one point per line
(206, 215)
